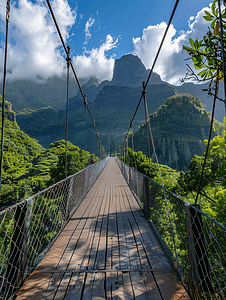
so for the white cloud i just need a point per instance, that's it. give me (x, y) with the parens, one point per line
(171, 64)
(88, 25)
(33, 48)
(95, 62)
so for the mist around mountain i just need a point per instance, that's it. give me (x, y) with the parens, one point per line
(40, 106)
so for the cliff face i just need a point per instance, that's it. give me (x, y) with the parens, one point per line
(130, 71)
(9, 113)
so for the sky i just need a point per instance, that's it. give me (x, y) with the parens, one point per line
(98, 32)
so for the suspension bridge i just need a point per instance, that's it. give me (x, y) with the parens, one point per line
(108, 232)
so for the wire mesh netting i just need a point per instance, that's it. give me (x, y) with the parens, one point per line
(194, 242)
(28, 228)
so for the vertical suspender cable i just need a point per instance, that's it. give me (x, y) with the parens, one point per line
(147, 121)
(222, 50)
(207, 148)
(127, 154)
(98, 144)
(109, 150)
(71, 64)
(85, 105)
(156, 57)
(93, 137)
(124, 153)
(160, 174)
(68, 67)
(3, 94)
(134, 159)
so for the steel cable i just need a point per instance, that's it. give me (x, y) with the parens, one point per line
(3, 93)
(207, 148)
(68, 67)
(155, 60)
(71, 64)
(222, 49)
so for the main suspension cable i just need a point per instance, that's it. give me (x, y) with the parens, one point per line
(155, 60)
(3, 93)
(208, 143)
(147, 122)
(85, 106)
(68, 68)
(71, 64)
(222, 50)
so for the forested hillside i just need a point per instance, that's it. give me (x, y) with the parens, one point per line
(179, 128)
(29, 168)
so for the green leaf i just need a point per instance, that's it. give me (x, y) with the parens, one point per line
(203, 73)
(192, 42)
(224, 15)
(213, 8)
(196, 44)
(208, 13)
(199, 66)
(208, 18)
(209, 74)
(213, 24)
(188, 49)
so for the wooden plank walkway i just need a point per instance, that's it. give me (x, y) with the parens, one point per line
(107, 251)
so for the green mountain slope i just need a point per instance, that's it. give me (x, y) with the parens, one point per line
(179, 128)
(28, 167)
(112, 109)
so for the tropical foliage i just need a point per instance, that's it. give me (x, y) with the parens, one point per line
(29, 168)
(179, 127)
(206, 53)
(185, 184)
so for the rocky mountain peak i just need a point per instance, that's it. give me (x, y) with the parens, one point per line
(130, 71)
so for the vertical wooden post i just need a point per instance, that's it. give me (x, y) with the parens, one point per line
(198, 255)
(17, 261)
(146, 205)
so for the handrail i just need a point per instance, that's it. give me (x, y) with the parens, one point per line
(198, 240)
(29, 228)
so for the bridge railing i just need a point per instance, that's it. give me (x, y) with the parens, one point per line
(29, 228)
(194, 242)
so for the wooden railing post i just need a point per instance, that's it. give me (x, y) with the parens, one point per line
(146, 198)
(17, 261)
(201, 271)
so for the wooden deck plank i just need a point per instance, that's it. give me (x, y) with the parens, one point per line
(75, 288)
(82, 251)
(61, 292)
(108, 232)
(97, 234)
(127, 287)
(112, 259)
(98, 290)
(80, 236)
(157, 257)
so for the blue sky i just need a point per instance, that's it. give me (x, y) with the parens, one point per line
(98, 32)
(127, 19)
